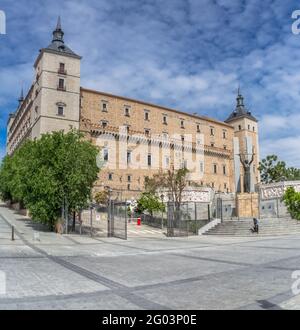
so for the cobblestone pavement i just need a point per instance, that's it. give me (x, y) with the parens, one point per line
(49, 271)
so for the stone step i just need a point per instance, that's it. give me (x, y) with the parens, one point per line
(269, 227)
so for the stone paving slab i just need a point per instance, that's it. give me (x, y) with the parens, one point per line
(73, 272)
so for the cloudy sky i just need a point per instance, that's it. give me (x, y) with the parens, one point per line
(186, 54)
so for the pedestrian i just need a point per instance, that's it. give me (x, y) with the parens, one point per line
(255, 228)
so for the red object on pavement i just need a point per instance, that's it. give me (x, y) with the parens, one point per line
(139, 221)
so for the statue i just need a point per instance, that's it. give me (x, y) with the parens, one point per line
(247, 171)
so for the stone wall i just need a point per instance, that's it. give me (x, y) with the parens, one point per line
(217, 144)
(247, 205)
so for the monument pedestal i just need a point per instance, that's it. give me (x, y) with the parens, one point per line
(247, 205)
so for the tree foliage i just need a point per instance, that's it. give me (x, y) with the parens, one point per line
(292, 201)
(274, 170)
(151, 203)
(173, 181)
(102, 197)
(44, 173)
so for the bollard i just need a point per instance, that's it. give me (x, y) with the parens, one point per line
(12, 233)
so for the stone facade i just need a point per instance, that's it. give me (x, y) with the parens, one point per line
(207, 146)
(137, 139)
(247, 205)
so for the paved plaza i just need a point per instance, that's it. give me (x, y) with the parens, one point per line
(49, 271)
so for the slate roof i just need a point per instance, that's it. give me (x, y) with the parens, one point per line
(240, 111)
(58, 45)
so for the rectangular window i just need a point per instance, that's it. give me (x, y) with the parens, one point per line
(129, 178)
(127, 111)
(182, 123)
(105, 154)
(60, 111)
(61, 84)
(224, 134)
(62, 68)
(212, 131)
(128, 157)
(201, 167)
(165, 120)
(147, 132)
(215, 168)
(110, 177)
(212, 144)
(146, 115)
(104, 106)
(224, 169)
(198, 129)
(149, 160)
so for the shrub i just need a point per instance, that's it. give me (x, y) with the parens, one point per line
(292, 201)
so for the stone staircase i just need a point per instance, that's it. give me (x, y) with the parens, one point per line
(267, 227)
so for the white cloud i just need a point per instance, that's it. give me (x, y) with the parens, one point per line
(189, 55)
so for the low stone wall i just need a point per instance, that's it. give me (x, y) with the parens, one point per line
(276, 190)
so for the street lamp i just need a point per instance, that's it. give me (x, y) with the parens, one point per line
(162, 213)
(109, 213)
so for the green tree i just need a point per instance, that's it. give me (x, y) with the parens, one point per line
(173, 181)
(44, 174)
(6, 178)
(292, 201)
(151, 203)
(102, 197)
(293, 173)
(274, 170)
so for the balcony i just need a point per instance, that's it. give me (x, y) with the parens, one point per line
(62, 71)
(61, 88)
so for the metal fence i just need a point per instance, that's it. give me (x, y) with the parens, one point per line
(117, 219)
(224, 206)
(185, 219)
(178, 221)
(93, 221)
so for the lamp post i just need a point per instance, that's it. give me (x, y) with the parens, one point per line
(91, 218)
(109, 213)
(162, 213)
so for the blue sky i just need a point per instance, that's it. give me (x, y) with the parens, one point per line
(186, 54)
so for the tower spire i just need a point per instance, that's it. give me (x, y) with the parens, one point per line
(58, 26)
(21, 98)
(240, 102)
(58, 34)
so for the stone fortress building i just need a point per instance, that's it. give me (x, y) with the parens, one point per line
(132, 132)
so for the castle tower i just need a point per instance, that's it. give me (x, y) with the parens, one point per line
(56, 104)
(246, 144)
